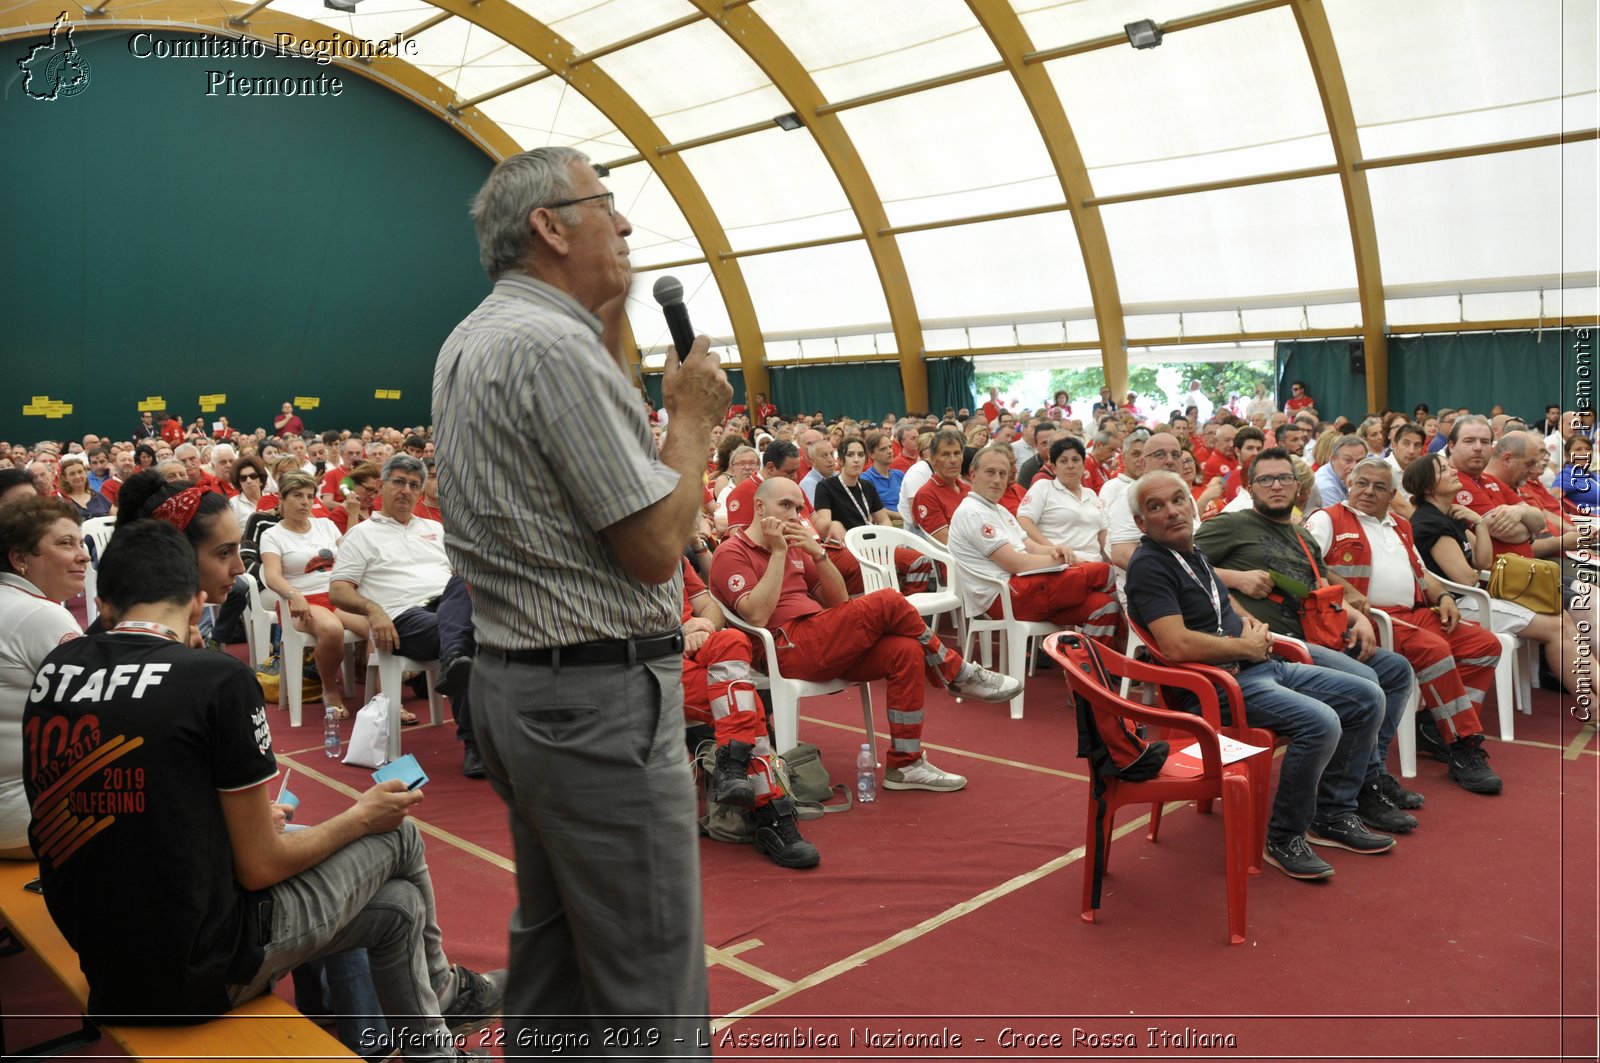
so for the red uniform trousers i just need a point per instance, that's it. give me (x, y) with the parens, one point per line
(877, 636)
(849, 568)
(718, 690)
(916, 571)
(1454, 671)
(1083, 596)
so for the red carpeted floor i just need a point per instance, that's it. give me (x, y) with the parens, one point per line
(946, 925)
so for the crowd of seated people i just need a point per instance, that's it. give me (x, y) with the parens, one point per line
(1004, 488)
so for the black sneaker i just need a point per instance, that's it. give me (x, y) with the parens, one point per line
(1402, 798)
(779, 838)
(454, 675)
(1380, 813)
(1294, 858)
(1429, 740)
(1469, 767)
(730, 779)
(477, 998)
(1347, 832)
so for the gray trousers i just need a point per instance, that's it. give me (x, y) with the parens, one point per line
(375, 894)
(608, 939)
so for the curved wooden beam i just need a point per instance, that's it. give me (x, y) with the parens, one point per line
(999, 20)
(1312, 19)
(751, 33)
(539, 42)
(35, 18)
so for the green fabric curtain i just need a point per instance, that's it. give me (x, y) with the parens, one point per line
(1324, 365)
(952, 382)
(1522, 371)
(863, 390)
(652, 386)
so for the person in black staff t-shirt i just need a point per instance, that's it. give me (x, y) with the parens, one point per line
(147, 774)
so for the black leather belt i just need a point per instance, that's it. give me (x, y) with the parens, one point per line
(605, 651)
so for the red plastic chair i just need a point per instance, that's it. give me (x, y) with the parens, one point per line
(1178, 780)
(1288, 649)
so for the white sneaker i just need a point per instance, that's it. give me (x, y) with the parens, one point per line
(920, 775)
(984, 685)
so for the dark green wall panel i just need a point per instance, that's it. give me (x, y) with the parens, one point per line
(159, 241)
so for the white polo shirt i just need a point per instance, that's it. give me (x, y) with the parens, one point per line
(979, 528)
(1064, 518)
(1392, 583)
(1115, 489)
(399, 566)
(910, 484)
(31, 625)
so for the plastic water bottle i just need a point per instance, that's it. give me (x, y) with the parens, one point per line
(330, 735)
(866, 775)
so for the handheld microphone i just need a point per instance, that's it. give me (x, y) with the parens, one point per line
(669, 293)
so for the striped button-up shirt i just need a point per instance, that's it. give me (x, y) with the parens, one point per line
(542, 442)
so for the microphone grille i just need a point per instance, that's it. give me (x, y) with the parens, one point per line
(667, 291)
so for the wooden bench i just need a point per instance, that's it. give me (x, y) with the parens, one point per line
(266, 1028)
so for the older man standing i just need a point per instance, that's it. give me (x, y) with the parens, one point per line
(577, 602)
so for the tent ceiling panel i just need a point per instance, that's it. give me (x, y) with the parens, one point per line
(1025, 266)
(1431, 74)
(706, 309)
(550, 112)
(373, 20)
(592, 26)
(853, 48)
(1053, 24)
(973, 137)
(660, 231)
(831, 288)
(1230, 99)
(1486, 216)
(771, 188)
(725, 90)
(470, 59)
(1266, 240)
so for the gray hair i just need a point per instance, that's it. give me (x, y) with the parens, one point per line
(404, 462)
(518, 185)
(1373, 462)
(1346, 441)
(1149, 482)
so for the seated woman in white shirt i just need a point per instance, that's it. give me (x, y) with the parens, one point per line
(250, 477)
(297, 554)
(1061, 510)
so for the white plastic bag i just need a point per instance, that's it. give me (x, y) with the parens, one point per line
(369, 738)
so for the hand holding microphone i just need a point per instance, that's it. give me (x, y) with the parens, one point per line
(694, 384)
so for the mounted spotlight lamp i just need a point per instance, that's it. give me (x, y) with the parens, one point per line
(788, 122)
(347, 6)
(1142, 34)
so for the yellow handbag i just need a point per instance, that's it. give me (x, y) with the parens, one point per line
(1531, 582)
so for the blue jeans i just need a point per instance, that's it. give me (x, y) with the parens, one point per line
(1390, 671)
(608, 929)
(1330, 718)
(375, 894)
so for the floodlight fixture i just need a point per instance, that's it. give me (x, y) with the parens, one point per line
(347, 6)
(601, 170)
(1143, 34)
(788, 122)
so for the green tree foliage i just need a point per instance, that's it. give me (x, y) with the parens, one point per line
(1217, 380)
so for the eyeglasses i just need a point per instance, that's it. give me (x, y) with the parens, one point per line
(1282, 479)
(248, 476)
(409, 485)
(609, 198)
(1368, 485)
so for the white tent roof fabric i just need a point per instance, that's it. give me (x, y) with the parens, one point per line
(940, 136)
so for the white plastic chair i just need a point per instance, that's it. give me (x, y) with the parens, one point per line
(294, 652)
(1406, 734)
(383, 673)
(786, 692)
(874, 547)
(96, 532)
(1016, 636)
(1519, 661)
(259, 613)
